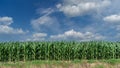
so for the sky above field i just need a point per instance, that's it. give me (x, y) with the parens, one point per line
(39, 20)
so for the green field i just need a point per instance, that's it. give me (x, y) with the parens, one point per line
(26, 51)
(15, 52)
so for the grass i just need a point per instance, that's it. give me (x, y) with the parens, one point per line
(111, 63)
(99, 66)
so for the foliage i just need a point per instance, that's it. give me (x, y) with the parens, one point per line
(27, 51)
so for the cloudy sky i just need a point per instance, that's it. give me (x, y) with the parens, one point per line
(38, 20)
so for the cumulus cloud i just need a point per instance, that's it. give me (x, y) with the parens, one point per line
(5, 27)
(37, 37)
(6, 20)
(46, 11)
(112, 18)
(74, 35)
(45, 23)
(44, 20)
(74, 8)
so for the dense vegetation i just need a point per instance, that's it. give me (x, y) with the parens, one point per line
(26, 51)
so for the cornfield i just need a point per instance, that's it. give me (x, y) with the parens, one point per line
(27, 51)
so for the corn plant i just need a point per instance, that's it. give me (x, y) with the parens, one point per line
(58, 50)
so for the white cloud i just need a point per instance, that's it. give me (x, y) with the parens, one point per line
(45, 23)
(45, 11)
(6, 20)
(5, 27)
(74, 35)
(112, 18)
(44, 20)
(58, 5)
(74, 8)
(37, 37)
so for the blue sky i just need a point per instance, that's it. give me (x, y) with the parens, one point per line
(38, 20)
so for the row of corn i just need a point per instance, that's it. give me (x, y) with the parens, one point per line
(27, 51)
